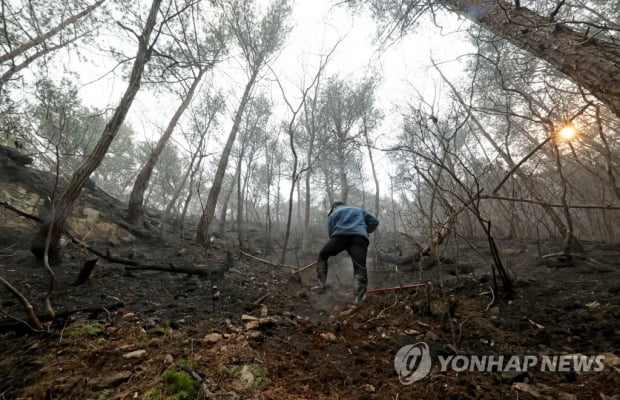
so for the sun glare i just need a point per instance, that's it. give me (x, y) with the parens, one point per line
(567, 132)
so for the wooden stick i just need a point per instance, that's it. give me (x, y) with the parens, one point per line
(260, 300)
(267, 262)
(85, 272)
(389, 289)
(305, 268)
(32, 317)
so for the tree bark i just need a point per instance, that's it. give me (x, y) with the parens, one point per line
(374, 173)
(311, 128)
(224, 205)
(172, 203)
(294, 178)
(344, 180)
(136, 198)
(240, 199)
(587, 61)
(66, 201)
(202, 234)
(269, 160)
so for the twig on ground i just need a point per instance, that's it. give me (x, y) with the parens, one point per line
(6, 249)
(260, 300)
(198, 378)
(478, 313)
(302, 269)
(388, 307)
(32, 317)
(267, 262)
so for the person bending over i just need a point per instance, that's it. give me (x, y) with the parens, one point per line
(348, 228)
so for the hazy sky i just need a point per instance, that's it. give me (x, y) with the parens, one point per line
(317, 26)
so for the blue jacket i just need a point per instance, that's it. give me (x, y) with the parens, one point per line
(347, 220)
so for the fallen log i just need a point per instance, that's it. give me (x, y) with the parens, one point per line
(209, 273)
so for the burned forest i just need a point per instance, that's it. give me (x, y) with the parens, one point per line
(359, 199)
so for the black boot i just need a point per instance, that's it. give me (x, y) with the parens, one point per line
(359, 291)
(321, 277)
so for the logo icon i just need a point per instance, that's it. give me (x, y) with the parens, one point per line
(412, 362)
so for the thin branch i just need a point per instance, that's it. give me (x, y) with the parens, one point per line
(270, 263)
(556, 10)
(543, 203)
(32, 317)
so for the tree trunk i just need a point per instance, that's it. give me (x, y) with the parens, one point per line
(177, 194)
(310, 126)
(329, 185)
(66, 201)
(294, 178)
(374, 174)
(394, 226)
(570, 242)
(202, 235)
(270, 160)
(278, 187)
(189, 197)
(136, 198)
(240, 227)
(344, 181)
(587, 61)
(305, 246)
(224, 206)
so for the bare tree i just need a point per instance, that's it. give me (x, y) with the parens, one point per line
(291, 129)
(204, 120)
(259, 39)
(195, 50)
(370, 119)
(253, 132)
(557, 221)
(67, 199)
(341, 111)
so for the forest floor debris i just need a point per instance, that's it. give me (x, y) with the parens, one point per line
(294, 344)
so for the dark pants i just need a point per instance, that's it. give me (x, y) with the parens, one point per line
(356, 246)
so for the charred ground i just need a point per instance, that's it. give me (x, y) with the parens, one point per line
(254, 330)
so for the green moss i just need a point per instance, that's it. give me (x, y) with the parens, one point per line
(260, 372)
(162, 329)
(179, 385)
(152, 394)
(82, 329)
(104, 394)
(233, 370)
(154, 342)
